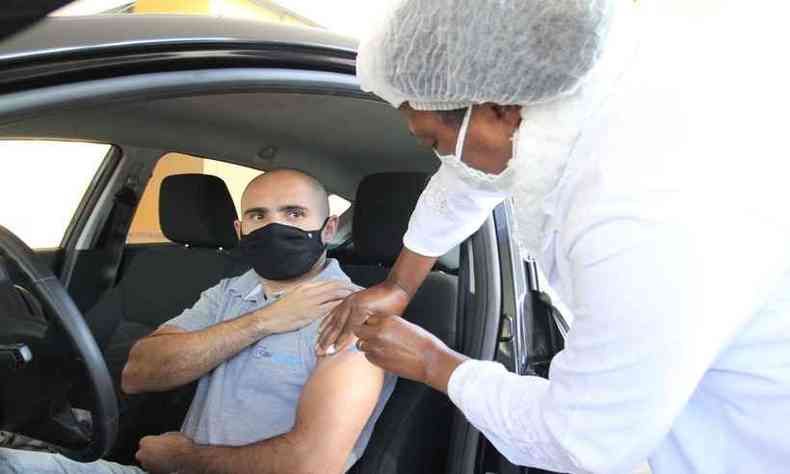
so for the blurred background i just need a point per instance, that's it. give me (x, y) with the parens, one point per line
(347, 17)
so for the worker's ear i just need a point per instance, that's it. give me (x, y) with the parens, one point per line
(510, 114)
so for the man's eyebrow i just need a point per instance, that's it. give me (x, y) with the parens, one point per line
(256, 210)
(292, 207)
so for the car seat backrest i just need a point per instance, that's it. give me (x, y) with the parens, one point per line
(412, 435)
(196, 212)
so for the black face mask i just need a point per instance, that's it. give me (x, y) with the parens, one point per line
(282, 252)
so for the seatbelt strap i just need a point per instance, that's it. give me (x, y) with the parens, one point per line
(125, 203)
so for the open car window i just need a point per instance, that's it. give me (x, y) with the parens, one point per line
(42, 184)
(145, 227)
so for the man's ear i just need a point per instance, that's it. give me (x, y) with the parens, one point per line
(237, 226)
(330, 229)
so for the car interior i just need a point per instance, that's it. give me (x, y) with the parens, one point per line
(356, 145)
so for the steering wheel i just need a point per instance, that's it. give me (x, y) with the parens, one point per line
(58, 305)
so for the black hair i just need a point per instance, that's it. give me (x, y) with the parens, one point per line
(453, 118)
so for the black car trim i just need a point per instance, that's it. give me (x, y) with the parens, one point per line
(481, 336)
(177, 84)
(514, 286)
(80, 218)
(32, 70)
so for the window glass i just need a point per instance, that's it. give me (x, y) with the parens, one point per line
(338, 205)
(145, 226)
(42, 184)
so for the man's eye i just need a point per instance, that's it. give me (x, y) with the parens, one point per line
(295, 213)
(256, 217)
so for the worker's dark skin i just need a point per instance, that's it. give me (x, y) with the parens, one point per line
(389, 341)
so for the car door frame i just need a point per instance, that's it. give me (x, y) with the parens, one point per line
(530, 332)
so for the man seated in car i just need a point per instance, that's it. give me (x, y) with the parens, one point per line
(265, 403)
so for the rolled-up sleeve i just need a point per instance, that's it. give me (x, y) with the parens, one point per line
(654, 305)
(501, 404)
(448, 212)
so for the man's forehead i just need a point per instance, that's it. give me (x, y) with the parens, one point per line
(270, 194)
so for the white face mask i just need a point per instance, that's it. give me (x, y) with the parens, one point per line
(503, 182)
(528, 179)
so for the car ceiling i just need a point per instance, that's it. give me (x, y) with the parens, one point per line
(339, 139)
(20, 14)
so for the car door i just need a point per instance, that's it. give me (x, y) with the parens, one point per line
(531, 330)
(48, 190)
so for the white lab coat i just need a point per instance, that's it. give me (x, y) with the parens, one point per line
(669, 239)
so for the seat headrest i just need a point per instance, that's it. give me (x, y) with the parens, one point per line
(196, 209)
(382, 210)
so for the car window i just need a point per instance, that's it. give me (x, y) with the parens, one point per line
(145, 226)
(42, 184)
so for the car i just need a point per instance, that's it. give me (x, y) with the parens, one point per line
(246, 97)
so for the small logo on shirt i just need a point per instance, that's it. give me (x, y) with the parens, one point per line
(261, 352)
(280, 358)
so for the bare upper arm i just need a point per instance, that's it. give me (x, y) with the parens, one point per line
(335, 406)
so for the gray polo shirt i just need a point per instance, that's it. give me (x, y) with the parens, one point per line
(254, 395)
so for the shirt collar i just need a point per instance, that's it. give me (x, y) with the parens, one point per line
(248, 286)
(245, 286)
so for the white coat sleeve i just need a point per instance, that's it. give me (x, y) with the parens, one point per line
(448, 212)
(655, 302)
